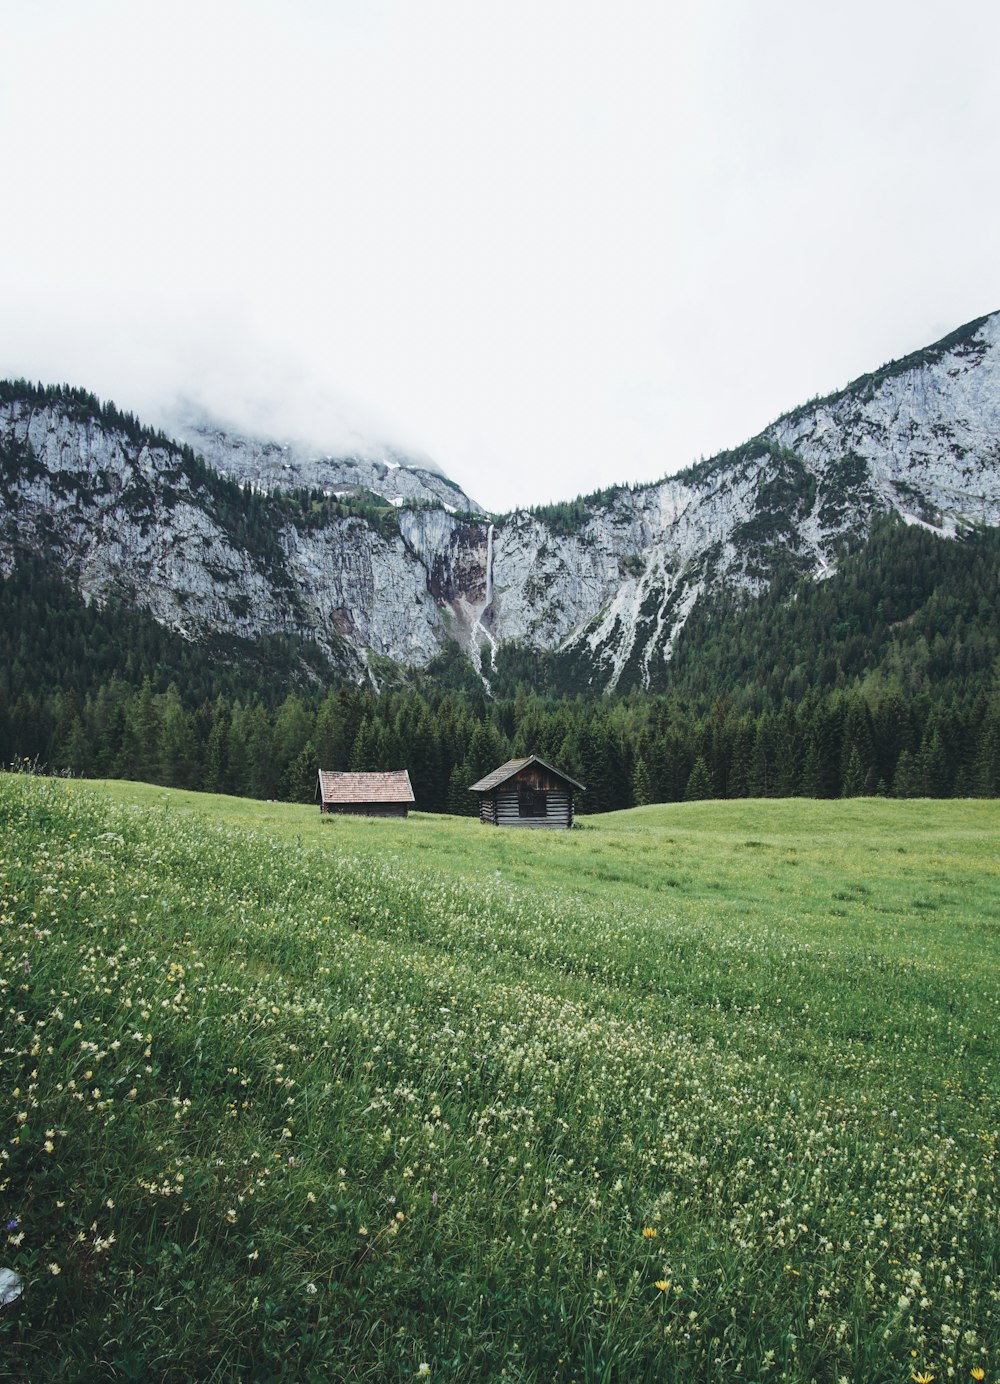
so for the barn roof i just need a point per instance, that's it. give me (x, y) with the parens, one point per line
(512, 767)
(390, 786)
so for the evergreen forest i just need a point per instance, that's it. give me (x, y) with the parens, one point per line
(880, 680)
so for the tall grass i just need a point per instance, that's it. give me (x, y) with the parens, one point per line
(705, 1092)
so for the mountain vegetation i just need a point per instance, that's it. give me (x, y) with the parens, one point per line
(763, 624)
(905, 611)
(850, 686)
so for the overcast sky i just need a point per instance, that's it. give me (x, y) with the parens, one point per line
(554, 245)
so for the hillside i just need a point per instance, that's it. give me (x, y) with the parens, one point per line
(881, 679)
(334, 1100)
(607, 582)
(905, 611)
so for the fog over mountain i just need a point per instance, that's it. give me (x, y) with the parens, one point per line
(373, 557)
(553, 247)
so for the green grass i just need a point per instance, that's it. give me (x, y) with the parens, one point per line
(352, 1096)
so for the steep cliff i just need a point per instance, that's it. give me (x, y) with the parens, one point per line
(370, 556)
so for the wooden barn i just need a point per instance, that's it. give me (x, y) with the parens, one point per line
(385, 794)
(526, 793)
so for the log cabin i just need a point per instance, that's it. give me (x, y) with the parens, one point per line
(526, 793)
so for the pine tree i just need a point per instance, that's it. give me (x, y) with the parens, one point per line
(328, 733)
(988, 753)
(261, 770)
(642, 784)
(462, 803)
(854, 775)
(932, 772)
(366, 752)
(76, 753)
(292, 727)
(176, 758)
(142, 736)
(699, 785)
(299, 781)
(906, 781)
(216, 769)
(762, 766)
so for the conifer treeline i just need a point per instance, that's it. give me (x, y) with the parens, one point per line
(885, 679)
(627, 752)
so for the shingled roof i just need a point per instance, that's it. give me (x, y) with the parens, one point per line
(512, 766)
(389, 786)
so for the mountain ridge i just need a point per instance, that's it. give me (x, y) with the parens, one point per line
(606, 582)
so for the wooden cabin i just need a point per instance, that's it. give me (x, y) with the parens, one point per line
(526, 793)
(387, 794)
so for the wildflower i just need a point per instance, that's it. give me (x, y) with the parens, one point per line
(978, 1372)
(231, 1216)
(54, 1270)
(423, 1368)
(922, 1378)
(362, 1230)
(650, 1232)
(311, 1289)
(663, 1284)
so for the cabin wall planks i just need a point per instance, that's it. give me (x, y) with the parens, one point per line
(527, 793)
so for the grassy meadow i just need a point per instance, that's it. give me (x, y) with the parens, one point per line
(705, 1092)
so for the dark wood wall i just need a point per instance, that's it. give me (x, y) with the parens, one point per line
(504, 807)
(538, 777)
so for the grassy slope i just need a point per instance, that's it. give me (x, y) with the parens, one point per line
(765, 1031)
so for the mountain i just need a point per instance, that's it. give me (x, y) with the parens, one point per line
(372, 558)
(385, 471)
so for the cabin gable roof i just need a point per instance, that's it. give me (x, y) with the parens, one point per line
(512, 768)
(389, 786)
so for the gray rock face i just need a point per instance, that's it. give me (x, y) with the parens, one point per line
(612, 589)
(263, 462)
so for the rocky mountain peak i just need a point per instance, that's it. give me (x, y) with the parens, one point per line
(378, 555)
